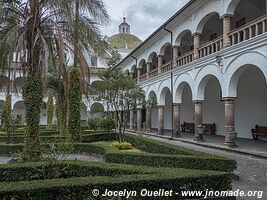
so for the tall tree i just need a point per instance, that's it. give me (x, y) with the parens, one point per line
(38, 31)
(120, 92)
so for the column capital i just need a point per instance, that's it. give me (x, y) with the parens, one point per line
(229, 99)
(198, 101)
(139, 107)
(160, 106)
(176, 104)
(148, 62)
(196, 34)
(226, 15)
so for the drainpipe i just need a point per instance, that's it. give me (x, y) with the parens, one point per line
(171, 79)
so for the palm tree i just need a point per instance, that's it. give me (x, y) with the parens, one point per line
(40, 30)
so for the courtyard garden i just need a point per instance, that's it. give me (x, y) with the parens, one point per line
(140, 163)
(49, 41)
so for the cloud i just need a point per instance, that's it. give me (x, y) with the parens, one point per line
(143, 16)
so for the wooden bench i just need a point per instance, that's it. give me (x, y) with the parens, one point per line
(258, 131)
(211, 128)
(188, 126)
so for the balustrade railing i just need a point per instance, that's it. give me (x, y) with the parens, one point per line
(248, 31)
(184, 59)
(165, 68)
(153, 73)
(142, 78)
(210, 47)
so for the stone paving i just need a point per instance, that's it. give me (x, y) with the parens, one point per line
(252, 171)
(245, 146)
(87, 157)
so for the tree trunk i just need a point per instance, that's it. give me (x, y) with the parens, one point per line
(33, 95)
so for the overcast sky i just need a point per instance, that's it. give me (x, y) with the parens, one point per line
(144, 16)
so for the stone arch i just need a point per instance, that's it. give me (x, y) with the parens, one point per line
(97, 109)
(164, 48)
(153, 96)
(97, 106)
(204, 20)
(141, 63)
(152, 89)
(232, 6)
(133, 69)
(179, 85)
(151, 55)
(238, 65)
(163, 93)
(202, 78)
(18, 112)
(180, 37)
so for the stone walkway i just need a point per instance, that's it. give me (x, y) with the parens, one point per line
(245, 146)
(252, 171)
(86, 157)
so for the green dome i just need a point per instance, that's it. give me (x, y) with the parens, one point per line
(123, 40)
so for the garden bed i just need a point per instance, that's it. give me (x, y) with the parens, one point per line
(78, 179)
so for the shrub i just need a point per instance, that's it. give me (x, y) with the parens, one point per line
(76, 180)
(179, 161)
(74, 106)
(107, 124)
(122, 145)
(154, 146)
(32, 93)
(94, 123)
(98, 137)
(7, 115)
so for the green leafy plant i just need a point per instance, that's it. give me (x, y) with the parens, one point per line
(74, 104)
(94, 123)
(33, 96)
(107, 124)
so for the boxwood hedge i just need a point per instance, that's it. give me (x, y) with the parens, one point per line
(82, 177)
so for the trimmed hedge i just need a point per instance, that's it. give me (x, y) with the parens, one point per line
(99, 137)
(180, 161)
(106, 176)
(9, 149)
(74, 105)
(154, 153)
(154, 146)
(113, 155)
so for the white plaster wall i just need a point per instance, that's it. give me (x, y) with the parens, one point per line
(251, 103)
(187, 107)
(213, 108)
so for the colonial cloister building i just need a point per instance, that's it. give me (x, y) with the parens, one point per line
(207, 64)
